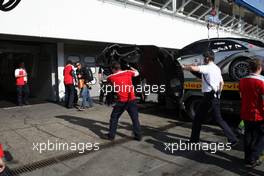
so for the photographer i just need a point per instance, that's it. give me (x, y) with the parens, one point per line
(84, 76)
(212, 85)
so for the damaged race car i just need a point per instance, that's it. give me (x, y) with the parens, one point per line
(156, 66)
(232, 55)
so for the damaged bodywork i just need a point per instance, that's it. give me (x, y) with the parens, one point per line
(155, 65)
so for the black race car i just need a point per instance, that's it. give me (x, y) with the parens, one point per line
(155, 65)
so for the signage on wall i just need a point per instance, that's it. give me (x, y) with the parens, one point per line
(7, 5)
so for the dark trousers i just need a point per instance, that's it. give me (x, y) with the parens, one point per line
(102, 92)
(75, 97)
(22, 94)
(253, 140)
(119, 108)
(69, 95)
(86, 98)
(208, 102)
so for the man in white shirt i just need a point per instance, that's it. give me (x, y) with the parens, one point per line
(212, 85)
(21, 84)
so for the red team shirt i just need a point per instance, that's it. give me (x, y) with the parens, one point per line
(122, 82)
(67, 73)
(252, 92)
(20, 81)
(1, 152)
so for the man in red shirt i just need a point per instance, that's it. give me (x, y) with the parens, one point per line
(122, 84)
(68, 74)
(21, 84)
(252, 112)
(2, 164)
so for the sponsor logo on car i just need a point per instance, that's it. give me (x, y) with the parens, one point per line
(198, 85)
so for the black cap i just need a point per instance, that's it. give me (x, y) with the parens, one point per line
(69, 62)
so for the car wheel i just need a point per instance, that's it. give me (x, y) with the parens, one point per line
(192, 105)
(239, 69)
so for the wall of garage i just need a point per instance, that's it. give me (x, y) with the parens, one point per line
(95, 20)
(40, 63)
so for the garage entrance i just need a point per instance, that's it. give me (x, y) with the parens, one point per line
(39, 62)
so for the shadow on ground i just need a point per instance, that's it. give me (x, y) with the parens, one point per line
(158, 137)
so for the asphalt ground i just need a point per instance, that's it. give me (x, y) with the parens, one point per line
(21, 128)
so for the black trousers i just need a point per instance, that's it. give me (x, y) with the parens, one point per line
(102, 92)
(208, 102)
(22, 94)
(69, 95)
(253, 140)
(119, 108)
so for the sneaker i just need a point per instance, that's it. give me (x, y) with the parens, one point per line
(252, 164)
(81, 109)
(107, 137)
(26, 103)
(138, 138)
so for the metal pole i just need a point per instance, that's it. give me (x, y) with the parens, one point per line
(230, 21)
(174, 5)
(194, 10)
(165, 5)
(186, 3)
(205, 13)
(248, 32)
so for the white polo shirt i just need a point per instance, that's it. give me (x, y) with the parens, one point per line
(213, 75)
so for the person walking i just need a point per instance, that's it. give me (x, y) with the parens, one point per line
(68, 74)
(252, 112)
(212, 85)
(122, 84)
(21, 84)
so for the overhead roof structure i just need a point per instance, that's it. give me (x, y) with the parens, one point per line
(236, 19)
(253, 5)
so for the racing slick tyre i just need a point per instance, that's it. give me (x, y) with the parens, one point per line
(239, 68)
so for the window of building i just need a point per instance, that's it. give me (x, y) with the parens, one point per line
(89, 60)
(74, 59)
